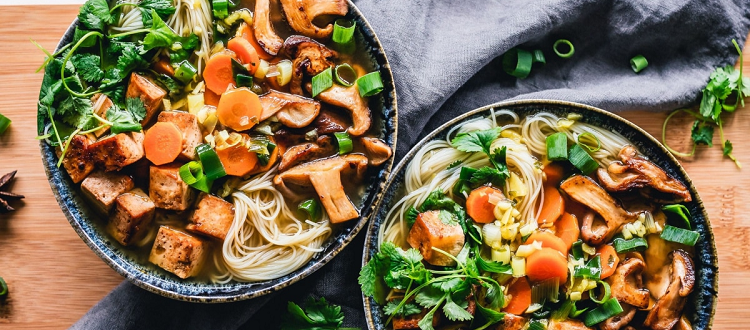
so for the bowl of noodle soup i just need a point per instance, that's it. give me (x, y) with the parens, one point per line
(435, 164)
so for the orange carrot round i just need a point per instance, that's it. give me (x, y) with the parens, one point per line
(162, 143)
(567, 229)
(554, 173)
(553, 205)
(245, 52)
(478, 205)
(548, 240)
(609, 259)
(520, 292)
(211, 98)
(546, 264)
(239, 109)
(237, 160)
(218, 73)
(246, 32)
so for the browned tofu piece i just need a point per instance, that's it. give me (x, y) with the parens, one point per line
(569, 324)
(102, 188)
(167, 189)
(411, 322)
(117, 151)
(149, 92)
(132, 214)
(178, 252)
(101, 103)
(213, 216)
(191, 132)
(430, 231)
(78, 161)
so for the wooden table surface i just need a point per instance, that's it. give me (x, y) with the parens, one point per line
(54, 278)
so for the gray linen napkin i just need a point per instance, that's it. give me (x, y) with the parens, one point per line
(445, 60)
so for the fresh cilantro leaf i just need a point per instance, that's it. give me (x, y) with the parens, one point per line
(87, 65)
(499, 159)
(412, 256)
(136, 107)
(476, 141)
(449, 284)
(367, 278)
(430, 296)
(426, 322)
(74, 105)
(122, 121)
(94, 14)
(160, 35)
(455, 312)
(317, 315)
(406, 310)
(727, 148)
(130, 60)
(702, 133)
(403, 267)
(162, 7)
(454, 164)
(437, 200)
(146, 18)
(54, 66)
(488, 175)
(411, 216)
(448, 218)
(490, 316)
(171, 85)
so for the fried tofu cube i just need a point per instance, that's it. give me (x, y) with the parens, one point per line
(191, 132)
(117, 151)
(132, 214)
(431, 231)
(149, 92)
(102, 188)
(167, 189)
(213, 216)
(178, 252)
(101, 103)
(78, 161)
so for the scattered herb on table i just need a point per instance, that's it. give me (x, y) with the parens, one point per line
(317, 315)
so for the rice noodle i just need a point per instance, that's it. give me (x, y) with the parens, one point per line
(194, 16)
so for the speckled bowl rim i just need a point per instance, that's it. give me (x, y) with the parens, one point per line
(158, 285)
(401, 166)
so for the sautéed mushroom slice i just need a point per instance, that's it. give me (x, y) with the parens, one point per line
(627, 283)
(308, 57)
(348, 98)
(668, 309)
(300, 15)
(377, 151)
(293, 111)
(263, 29)
(617, 322)
(306, 151)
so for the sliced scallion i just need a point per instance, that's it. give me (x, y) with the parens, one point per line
(185, 72)
(629, 245)
(370, 84)
(564, 311)
(517, 62)
(545, 291)
(210, 162)
(467, 173)
(344, 141)
(592, 269)
(577, 249)
(312, 208)
(681, 211)
(220, 8)
(243, 80)
(345, 75)
(562, 52)
(679, 235)
(322, 81)
(538, 57)
(582, 160)
(4, 123)
(605, 297)
(192, 174)
(557, 146)
(638, 63)
(343, 31)
(589, 141)
(597, 315)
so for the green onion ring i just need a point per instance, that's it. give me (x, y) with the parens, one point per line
(343, 31)
(592, 136)
(370, 84)
(344, 69)
(607, 293)
(539, 57)
(191, 172)
(566, 42)
(638, 63)
(517, 62)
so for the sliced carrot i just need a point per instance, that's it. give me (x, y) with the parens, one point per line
(546, 264)
(246, 32)
(245, 52)
(239, 109)
(554, 173)
(520, 293)
(478, 205)
(237, 159)
(609, 260)
(162, 143)
(218, 73)
(162, 66)
(567, 229)
(271, 160)
(553, 205)
(548, 240)
(211, 98)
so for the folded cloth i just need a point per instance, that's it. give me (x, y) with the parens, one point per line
(445, 57)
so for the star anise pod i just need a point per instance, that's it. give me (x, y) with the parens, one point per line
(7, 195)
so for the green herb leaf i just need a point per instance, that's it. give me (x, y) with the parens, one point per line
(454, 164)
(122, 121)
(430, 296)
(317, 315)
(702, 133)
(136, 107)
(94, 14)
(727, 148)
(476, 141)
(448, 218)
(454, 312)
(488, 175)
(160, 35)
(406, 310)
(87, 66)
(411, 216)
(162, 7)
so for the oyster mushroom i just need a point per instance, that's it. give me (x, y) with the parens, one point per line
(377, 151)
(349, 99)
(325, 177)
(263, 30)
(668, 309)
(292, 110)
(301, 13)
(309, 57)
(620, 320)
(627, 283)
(585, 191)
(306, 151)
(635, 172)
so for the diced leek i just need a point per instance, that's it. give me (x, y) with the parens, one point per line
(507, 217)
(680, 211)
(581, 159)
(626, 233)
(518, 265)
(545, 291)
(370, 84)
(575, 296)
(322, 82)
(574, 116)
(516, 186)
(588, 249)
(597, 315)
(510, 231)
(623, 245)
(679, 235)
(285, 72)
(195, 102)
(510, 134)
(260, 72)
(501, 255)
(577, 249)
(565, 123)
(528, 249)
(344, 142)
(492, 235)
(557, 146)
(528, 228)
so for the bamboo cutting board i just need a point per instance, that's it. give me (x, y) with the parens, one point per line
(54, 278)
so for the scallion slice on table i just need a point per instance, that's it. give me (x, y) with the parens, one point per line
(344, 141)
(562, 52)
(538, 57)
(343, 31)
(606, 310)
(629, 245)
(517, 62)
(581, 159)
(4, 123)
(210, 163)
(370, 84)
(322, 81)
(185, 72)
(3, 288)
(192, 174)
(679, 235)
(557, 146)
(638, 63)
(312, 208)
(589, 141)
(345, 75)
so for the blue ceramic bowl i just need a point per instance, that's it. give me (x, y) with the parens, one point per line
(88, 224)
(702, 305)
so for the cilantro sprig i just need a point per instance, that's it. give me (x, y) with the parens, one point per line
(317, 315)
(480, 141)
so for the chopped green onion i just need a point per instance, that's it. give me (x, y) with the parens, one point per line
(536, 325)
(4, 123)
(322, 81)
(607, 293)
(312, 208)
(557, 146)
(79, 33)
(538, 57)
(582, 160)
(564, 311)
(586, 138)
(638, 63)
(370, 84)
(192, 174)
(629, 245)
(345, 75)
(679, 235)
(545, 291)
(263, 159)
(244, 80)
(599, 314)
(3, 288)
(185, 72)
(210, 162)
(467, 173)
(569, 53)
(592, 269)
(220, 8)
(517, 62)
(343, 31)
(577, 249)
(238, 68)
(461, 188)
(577, 312)
(678, 209)
(344, 141)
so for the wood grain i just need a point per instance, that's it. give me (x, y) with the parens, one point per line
(54, 278)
